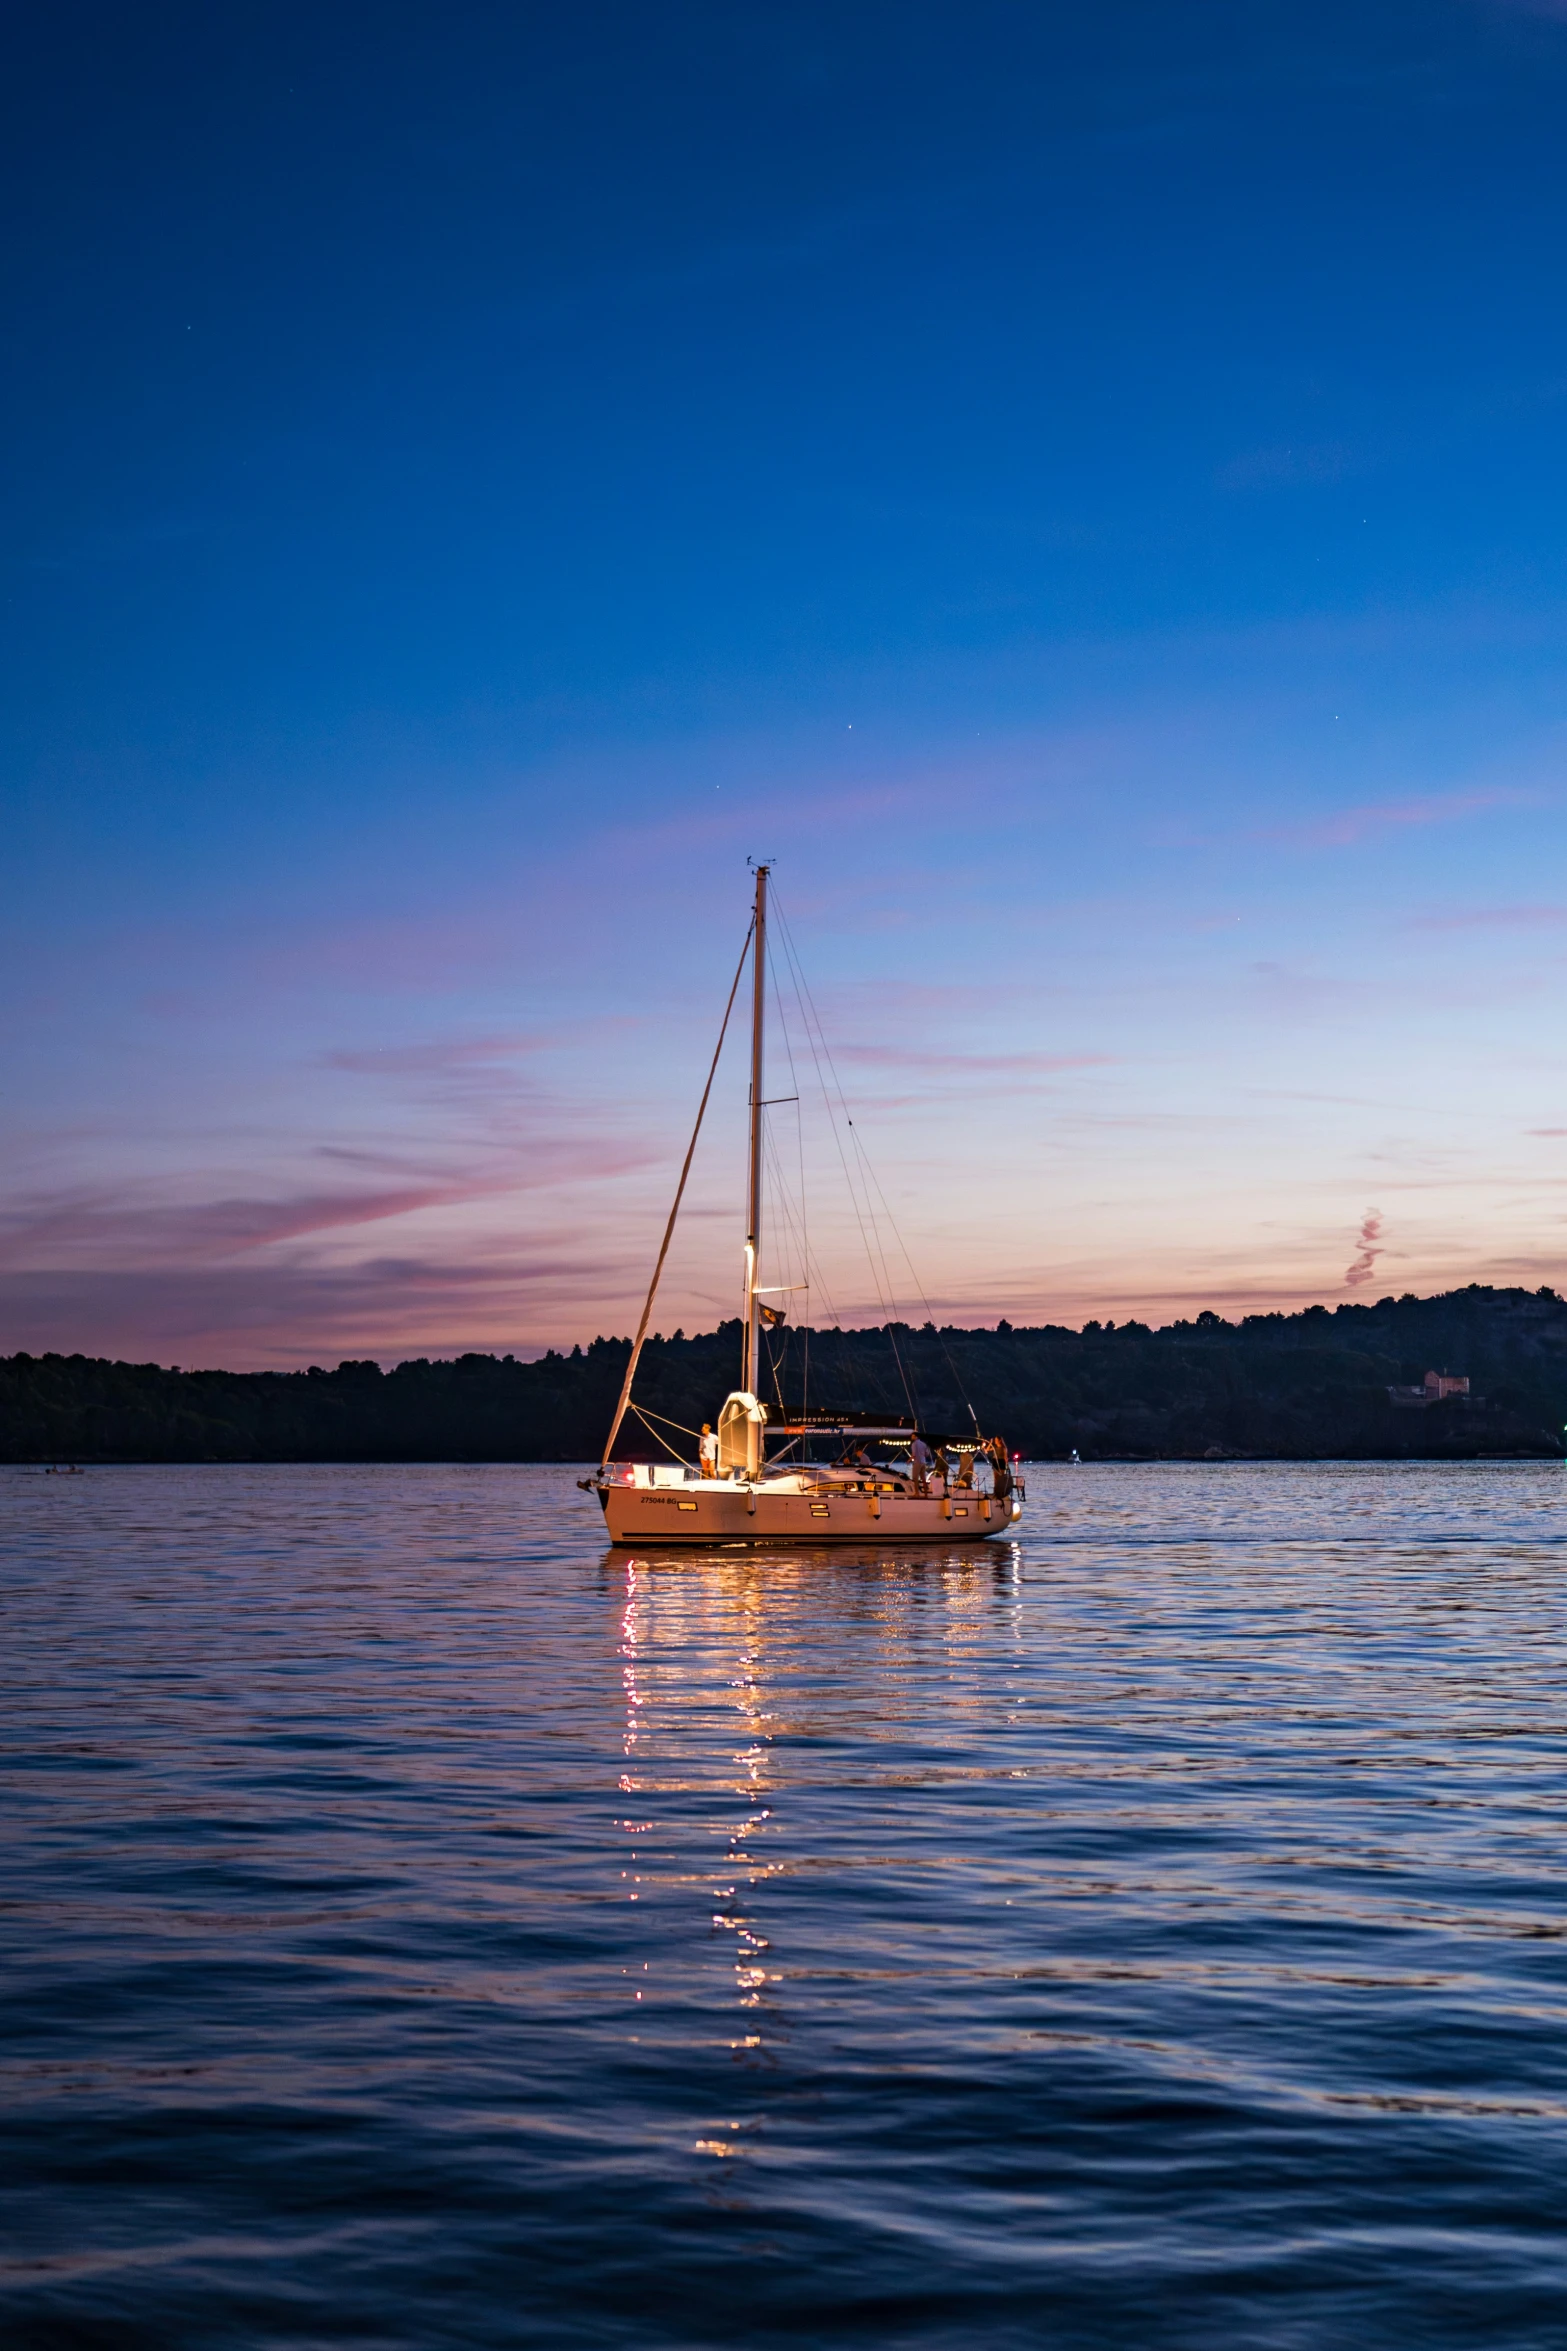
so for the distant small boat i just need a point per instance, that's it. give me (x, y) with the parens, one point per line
(772, 1476)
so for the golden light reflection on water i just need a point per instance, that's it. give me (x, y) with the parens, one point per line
(735, 1669)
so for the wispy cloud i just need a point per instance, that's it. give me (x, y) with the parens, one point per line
(915, 1057)
(107, 1228)
(437, 1057)
(256, 1315)
(129, 1231)
(1352, 825)
(1498, 918)
(891, 1000)
(1370, 1245)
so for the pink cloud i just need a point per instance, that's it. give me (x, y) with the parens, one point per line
(990, 1064)
(1519, 918)
(894, 1000)
(1351, 825)
(1369, 1240)
(438, 1056)
(175, 1232)
(258, 1316)
(107, 1228)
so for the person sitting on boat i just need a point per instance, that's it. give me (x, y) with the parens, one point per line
(920, 1460)
(863, 1470)
(708, 1451)
(964, 1480)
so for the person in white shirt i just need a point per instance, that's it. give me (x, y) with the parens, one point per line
(920, 1459)
(708, 1451)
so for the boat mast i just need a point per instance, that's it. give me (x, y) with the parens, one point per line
(752, 1363)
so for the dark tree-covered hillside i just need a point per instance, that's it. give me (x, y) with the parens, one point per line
(1300, 1386)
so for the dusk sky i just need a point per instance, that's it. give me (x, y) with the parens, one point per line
(1081, 489)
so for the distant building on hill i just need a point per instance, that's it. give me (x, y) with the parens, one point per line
(1436, 1388)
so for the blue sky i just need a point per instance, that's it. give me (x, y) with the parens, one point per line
(1082, 489)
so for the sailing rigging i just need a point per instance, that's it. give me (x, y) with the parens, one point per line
(823, 1476)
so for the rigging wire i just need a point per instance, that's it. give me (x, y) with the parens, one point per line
(795, 1226)
(782, 1210)
(646, 1412)
(811, 1268)
(864, 1212)
(802, 996)
(871, 1179)
(680, 1189)
(783, 1225)
(817, 1042)
(653, 1433)
(797, 1236)
(805, 1225)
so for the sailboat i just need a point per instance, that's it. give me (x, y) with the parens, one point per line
(802, 1477)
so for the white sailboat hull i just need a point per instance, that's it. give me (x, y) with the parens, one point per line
(716, 1512)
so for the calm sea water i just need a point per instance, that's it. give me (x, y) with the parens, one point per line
(424, 1927)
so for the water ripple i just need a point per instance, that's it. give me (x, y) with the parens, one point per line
(424, 1927)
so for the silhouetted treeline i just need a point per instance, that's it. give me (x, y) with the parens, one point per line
(1297, 1386)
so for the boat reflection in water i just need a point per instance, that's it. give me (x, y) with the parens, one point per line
(734, 1705)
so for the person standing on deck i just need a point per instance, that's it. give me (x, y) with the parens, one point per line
(708, 1451)
(920, 1459)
